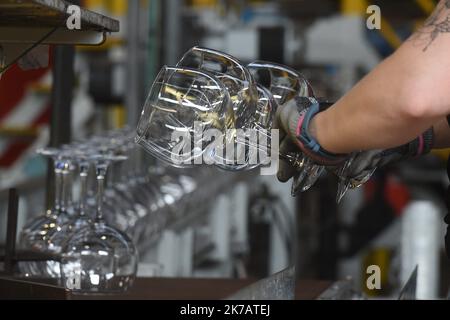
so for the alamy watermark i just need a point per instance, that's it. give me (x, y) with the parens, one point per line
(373, 22)
(73, 22)
(373, 281)
(233, 148)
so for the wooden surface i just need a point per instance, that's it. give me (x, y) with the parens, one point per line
(200, 289)
(310, 289)
(176, 289)
(25, 290)
(154, 289)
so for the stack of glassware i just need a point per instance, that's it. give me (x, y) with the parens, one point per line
(92, 253)
(209, 93)
(121, 204)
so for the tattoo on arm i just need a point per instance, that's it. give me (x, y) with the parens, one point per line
(435, 25)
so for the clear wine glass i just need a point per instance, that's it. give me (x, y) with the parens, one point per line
(183, 102)
(282, 81)
(127, 197)
(233, 74)
(81, 219)
(179, 93)
(345, 183)
(285, 84)
(99, 258)
(35, 235)
(244, 97)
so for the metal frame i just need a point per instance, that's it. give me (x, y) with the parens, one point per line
(20, 12)
(23, 23)
(60, 36)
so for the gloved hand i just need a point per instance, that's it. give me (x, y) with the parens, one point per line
(361, 165)
(292, 120)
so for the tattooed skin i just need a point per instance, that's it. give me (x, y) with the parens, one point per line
(436, 24)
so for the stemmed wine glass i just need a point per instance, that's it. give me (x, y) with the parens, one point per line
(182, 103)
(200, 89)
(99, 258)
(181, 97)
(130, 194)
(346, 183)
(285, 84)
(81, 218)
(233, 74)
(36, 234)
(244, 97)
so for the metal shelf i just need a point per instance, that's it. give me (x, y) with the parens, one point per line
(25, 24)
(26, 21)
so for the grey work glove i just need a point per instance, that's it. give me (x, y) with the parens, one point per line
(300, 153)
(361, 165)
(292, 120)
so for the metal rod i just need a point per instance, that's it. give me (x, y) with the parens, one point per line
(11, 231)
(61, 116)
(172, 31)
(133, 67)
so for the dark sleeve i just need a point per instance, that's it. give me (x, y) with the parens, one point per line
(448, 120)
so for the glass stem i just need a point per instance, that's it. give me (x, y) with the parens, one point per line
(112, 178)
(101, 173)
(134, 163)
(84, 169)
(126, 168)
(65, 187)
(58, 186)
(69, 187)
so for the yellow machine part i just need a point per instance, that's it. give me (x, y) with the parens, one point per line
(380, 257)
(354, 7)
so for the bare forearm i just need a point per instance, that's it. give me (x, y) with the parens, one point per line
(372, 115)
(397, 101)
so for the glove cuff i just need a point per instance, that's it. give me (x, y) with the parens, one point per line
(309, 145)
(424, 143)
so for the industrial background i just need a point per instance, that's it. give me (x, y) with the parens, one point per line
(231, 229)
